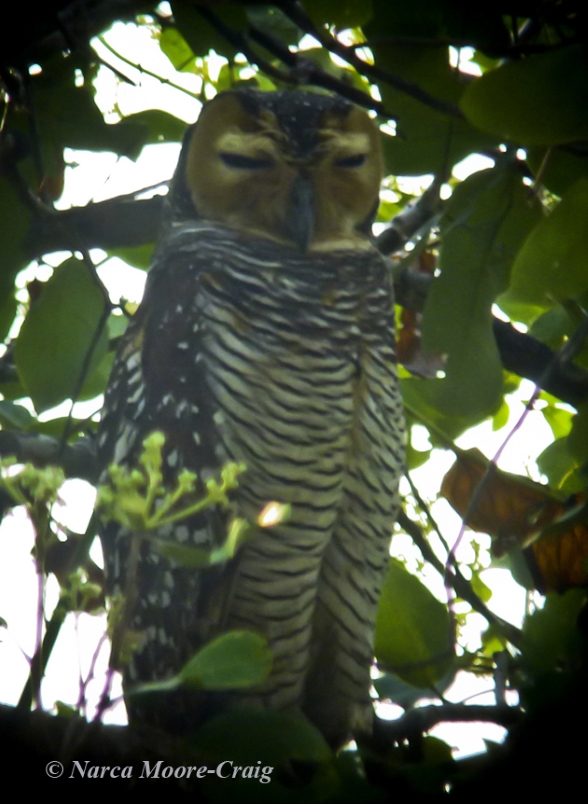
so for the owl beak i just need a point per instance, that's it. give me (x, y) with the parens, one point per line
(300, 220)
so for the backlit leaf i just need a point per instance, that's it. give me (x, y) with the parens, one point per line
(539, 100)
(552, 265)
(413, 630)
(57, 333)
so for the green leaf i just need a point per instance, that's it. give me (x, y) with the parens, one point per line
(156, 126)
(249, 735)
(272, 20)
(501, 417)
(556, 462)
(552, 265)
(578, 437)
(200, 35)
(559, 166)
(57, 333)
(98, 376)
(552, 328)
(55, 427)
(281, 748)
(413, 630)
(406, 695)
(559, 419)
(480, 588)
(421, 399)
(551, 638)
(486, 221)
(428, 140)
(416, 457)
(177, 50)
(14, 417)
(393, 688)
(539, 100)
(232, 661)
(117, 324)
(235, 660)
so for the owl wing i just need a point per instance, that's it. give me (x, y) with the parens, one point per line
(158, 383)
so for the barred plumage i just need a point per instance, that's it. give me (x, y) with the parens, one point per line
(254, 346)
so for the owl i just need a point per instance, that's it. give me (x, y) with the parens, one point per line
(265, 337)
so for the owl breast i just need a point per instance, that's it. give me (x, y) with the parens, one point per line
(286, 363)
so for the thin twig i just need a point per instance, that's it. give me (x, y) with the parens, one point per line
(144, 70)
(41, 657)
(459, 583)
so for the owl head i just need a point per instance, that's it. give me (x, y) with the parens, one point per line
(299, 168)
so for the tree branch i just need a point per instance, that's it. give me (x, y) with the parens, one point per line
(421, 720)
(461, 585)
(121, 222)
(76, 460)
(299, 17)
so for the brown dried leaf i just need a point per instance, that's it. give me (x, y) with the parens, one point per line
(510, 508)
(559, 559)
(517, 512)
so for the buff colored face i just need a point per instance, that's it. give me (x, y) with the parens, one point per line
(244, 172)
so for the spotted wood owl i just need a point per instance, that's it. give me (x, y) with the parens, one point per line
(265, 337)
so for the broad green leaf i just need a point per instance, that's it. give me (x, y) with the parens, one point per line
(137, 256)
(200, 35)
(421, 400)
(559, 166)
(55, 427)
(57, 333)
(556, 462)
(177, 50)
(272, 20)
(393, 688)
(14, 417)
(552, 265)
(232, 661)
(275, 746)
(551, 638)
(559, 419)
(117, 324)
(428, 140)
(552, 328)
(12, 389)
(249, 735)
(235, 660)
(416, 457)
(578, 437)
(487, 219)
(501, 417)
(97, 379)
(156, 126)
(406, 695)
(539, 100)
(480, 588)
(413, 630)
